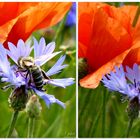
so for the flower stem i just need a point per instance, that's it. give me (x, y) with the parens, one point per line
(103, 114)
(59, 30)
(31, 124)
(95, 123)
(129, 127)
(136, 16)
(12, 124)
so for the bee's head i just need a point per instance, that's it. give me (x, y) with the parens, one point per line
(26, 62)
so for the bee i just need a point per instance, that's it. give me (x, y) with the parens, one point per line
(35, 73)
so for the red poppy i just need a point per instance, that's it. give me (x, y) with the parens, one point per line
(20, 19)
(106, 38)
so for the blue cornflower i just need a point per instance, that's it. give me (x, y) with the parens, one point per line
(7, 73)
(71, 18)
(127, 83)
(42, 54)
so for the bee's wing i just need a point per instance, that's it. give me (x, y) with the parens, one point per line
(44, 58)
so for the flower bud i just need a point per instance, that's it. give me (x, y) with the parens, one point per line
(133, 108)
(82, 68)
(33, 107)
(18, 98)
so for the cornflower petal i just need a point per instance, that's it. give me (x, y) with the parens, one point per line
(22, 50)
(16, 81)
(44, 58)
(133, 74)
(41, 48)
(57, 66)
(129, 73)
(12, 78)
(36, 48)
(49, 48)
(49, 99)
(116, 81)
(61, 82)
(26, 47)
(43, 53)
(132, 92)
(71, 18)
(7, 73)
(4, 63)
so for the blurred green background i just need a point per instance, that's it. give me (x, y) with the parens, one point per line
(101, 112)
(93, 122)
(54, 122)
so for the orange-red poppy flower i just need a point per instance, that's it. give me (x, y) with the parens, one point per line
(106, 38)
(20, 19)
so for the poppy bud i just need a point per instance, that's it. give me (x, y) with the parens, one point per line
(33, 107)
(18, 98)
(133, 108)
(82, 68)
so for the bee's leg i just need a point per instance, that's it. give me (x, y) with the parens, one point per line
(21, 70)
(30, 79)
(44, 75)
(42, 90)
(27, 74)
(29, 83)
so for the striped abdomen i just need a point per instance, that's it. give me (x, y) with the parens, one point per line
(37, 77)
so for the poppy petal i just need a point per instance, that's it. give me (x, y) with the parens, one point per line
(109, 39)
(40, 15)
(133, 56)
(130, 11)
(10, 10)
(92, 80)
(86, 13)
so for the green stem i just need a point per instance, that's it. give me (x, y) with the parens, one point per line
(59, 30)
(12, 124)
(103, 114)
(31, 124)
(86, 98)
(95, 123)
(129, 127)
(136, 16)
